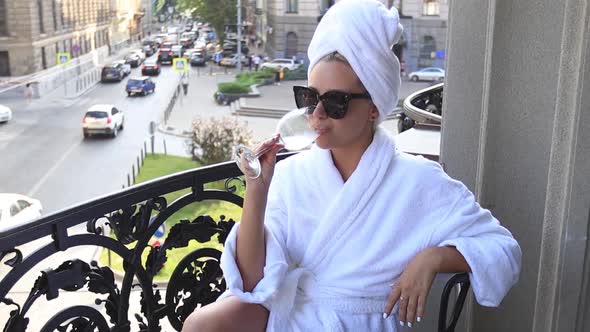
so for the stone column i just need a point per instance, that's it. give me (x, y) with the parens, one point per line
(516, 130)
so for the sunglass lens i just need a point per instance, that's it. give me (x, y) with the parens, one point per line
(335, 105)
(306, 98)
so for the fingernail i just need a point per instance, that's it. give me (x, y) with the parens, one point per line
(409, 324)
(401, 323)
(419, 319)
(385, 316)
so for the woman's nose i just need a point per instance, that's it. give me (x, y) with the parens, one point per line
(319, 111)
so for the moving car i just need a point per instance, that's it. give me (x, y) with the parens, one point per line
(176, 51)
(150, 67)
(428, 74)
(165, 55)
(126, 66)
(102, 119)
(5, 113)
(133, 59)
(277, 64)
(141, 85)
(17, 210)
(148, 50)
(197, 59)
(112, 72)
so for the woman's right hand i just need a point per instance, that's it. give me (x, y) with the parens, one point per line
(267, 163)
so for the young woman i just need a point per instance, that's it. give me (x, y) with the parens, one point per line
(325, 235)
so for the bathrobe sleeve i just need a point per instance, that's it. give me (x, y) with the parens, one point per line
(276, 263)
(492, 253)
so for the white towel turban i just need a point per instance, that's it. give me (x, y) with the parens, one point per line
(363, 31)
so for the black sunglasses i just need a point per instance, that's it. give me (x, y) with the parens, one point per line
(335, 102)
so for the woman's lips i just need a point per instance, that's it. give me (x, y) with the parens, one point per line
(321, 130)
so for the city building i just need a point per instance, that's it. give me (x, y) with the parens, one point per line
(33, 32)
(286, 27)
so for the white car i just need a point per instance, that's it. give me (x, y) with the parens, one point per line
(232, 61)
(427, 74)
(139, 52)
(17, 210)
(5, 113)
(103, 119)
(277, 64)
(126, 66)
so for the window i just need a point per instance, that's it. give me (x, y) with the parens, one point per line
(61, 13)
(54, 14)
(4, 64)
(291, 6)
(23, 204)
(14, 210)
(40, 13)
(3, 23)
(431, 8)
(43, 57)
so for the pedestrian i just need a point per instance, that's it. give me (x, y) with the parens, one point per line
(256, 62)
(185, 83)
(336, 237)
(28, 93)
(278, 74)
(250, 62)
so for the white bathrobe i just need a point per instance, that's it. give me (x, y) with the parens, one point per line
(334, 247)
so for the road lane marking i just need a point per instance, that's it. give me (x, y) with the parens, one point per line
(39, 183)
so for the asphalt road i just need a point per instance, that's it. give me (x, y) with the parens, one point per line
(44, 155)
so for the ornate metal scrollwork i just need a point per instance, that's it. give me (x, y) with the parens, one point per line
(202, 229)
(77, 319)
(232, 188)
(131, 223)
(70, 276)
(17, 259)
(196, 281)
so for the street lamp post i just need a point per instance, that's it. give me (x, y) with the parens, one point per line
(239, 64)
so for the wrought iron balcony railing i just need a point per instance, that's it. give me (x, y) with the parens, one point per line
(134, 214)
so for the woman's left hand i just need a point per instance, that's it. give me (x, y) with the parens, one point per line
(412, 288)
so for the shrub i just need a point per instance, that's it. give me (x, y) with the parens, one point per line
(213, 139)
(300, 73)
(233, 87)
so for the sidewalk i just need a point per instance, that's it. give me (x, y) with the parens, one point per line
(199, 102)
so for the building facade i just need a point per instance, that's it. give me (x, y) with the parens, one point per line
(33, 32)
(286, 28)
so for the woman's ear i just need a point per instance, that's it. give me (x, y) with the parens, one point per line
(374, 115)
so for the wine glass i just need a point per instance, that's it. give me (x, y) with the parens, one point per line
(293, 132)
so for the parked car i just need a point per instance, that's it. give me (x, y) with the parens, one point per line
(126, 66)
(150, 67)
(5, 113)
(17, 210)
(197, 59)
(142, 85)
(428, 74)
(277, 64)
(103, 119)
(112, 72)
(232, 61)
(165, 55)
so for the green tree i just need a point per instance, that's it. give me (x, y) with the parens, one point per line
(216, 12)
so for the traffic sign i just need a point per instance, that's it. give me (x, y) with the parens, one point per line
(63, 58)
(180, 65)
(161, 231)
